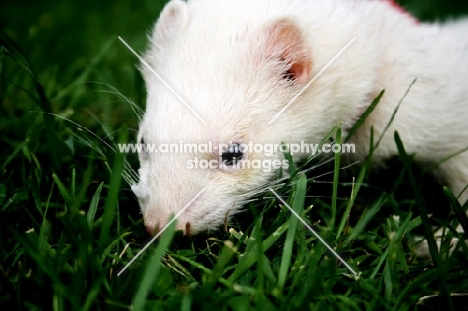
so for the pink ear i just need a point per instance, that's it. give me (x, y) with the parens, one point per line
(173, 19)
(283, 41)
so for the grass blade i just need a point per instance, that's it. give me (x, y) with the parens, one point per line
(419, 201)
(336, 174)
(111, 202)
(364, 116)
(153, 268)
(93, 206)
(298, 205)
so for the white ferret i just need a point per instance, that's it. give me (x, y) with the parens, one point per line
(235, 64)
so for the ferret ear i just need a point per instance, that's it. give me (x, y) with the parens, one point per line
(282, 40)
(172, 19)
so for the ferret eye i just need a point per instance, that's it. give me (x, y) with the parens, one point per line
(143, 151)
(232, 155)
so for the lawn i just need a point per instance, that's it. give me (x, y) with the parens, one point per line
(69, 223)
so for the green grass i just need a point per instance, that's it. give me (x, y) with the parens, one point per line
(69, 222)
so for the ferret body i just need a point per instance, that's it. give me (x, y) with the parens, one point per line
(238, 63)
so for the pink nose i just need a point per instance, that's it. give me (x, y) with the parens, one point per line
(151, 230)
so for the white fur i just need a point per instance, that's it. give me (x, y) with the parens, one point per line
(212, 52)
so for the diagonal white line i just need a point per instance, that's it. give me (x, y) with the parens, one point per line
(313, 231)
(160, 232)
(311, 81)
(163, 82)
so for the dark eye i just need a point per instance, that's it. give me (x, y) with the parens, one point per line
(232, 155)
(143, 148)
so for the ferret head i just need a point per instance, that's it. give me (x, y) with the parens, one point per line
(217, 76)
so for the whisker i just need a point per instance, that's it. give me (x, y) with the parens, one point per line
(129, 175)
(116, 131)
(135, 108)
(79, 126)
